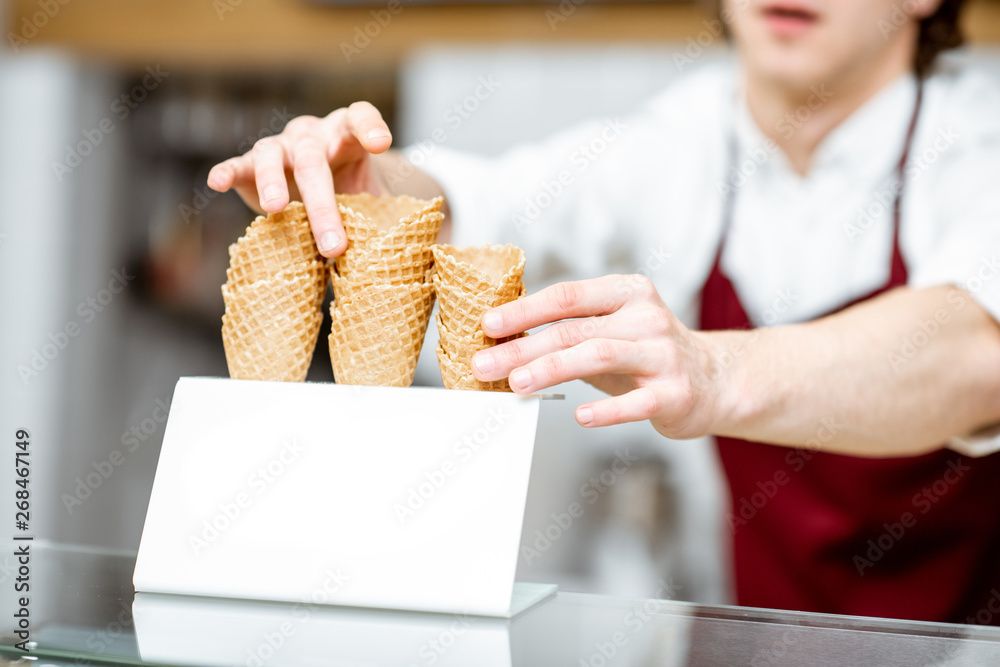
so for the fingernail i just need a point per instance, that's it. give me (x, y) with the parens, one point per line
(520, 378)
(585, 416)
(328, 241)
(492, 321)
(377, 134)
(484, 362)
(271, 193)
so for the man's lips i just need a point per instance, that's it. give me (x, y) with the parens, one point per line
(787, 19)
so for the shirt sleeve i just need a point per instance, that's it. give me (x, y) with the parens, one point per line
(582, 203)
(961, 157)
(977, 444)
(549, 198)
(958, 163)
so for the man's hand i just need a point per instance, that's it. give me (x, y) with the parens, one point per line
(308, 160)
(782, 385)
(616, 333)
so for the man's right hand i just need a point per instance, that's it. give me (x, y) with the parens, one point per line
(310, 160)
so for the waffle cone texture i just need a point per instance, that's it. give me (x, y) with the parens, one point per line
(383, 289)
(273, 292)
(469, 281)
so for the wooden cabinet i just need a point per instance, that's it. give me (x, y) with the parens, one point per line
(281, 33)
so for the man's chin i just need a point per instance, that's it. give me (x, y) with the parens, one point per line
(788, 69)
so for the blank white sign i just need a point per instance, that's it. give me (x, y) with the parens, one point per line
(401, 498)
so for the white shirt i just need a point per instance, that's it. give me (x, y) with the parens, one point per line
(644, 194)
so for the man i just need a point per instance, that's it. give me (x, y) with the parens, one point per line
(831, 184)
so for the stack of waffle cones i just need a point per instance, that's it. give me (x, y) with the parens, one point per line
(469, 281)
(383, 294)
(273, 291)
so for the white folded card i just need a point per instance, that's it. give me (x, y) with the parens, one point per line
(330, 494)
(253, 633)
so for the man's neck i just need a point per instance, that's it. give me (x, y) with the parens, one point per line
(817, 109)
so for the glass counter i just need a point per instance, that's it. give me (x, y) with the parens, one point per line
(84, 610)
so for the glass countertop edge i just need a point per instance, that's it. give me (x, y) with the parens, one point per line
(77, 656)
(728, 612)
(793, 617)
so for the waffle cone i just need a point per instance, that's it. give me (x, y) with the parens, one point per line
(461, 348)
(270, 244)
(391, 223)
(498, 269)
(421, 232)
(269, 330)
(377, 334)
(461, 311)
(456, 375)
(237, 277)
(365, 267)
(305, 282)
(347, 288)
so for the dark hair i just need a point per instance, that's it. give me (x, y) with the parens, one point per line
(938, 32)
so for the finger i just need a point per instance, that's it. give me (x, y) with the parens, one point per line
(629, 323)
(269, 172)
(584, 298)
(637, 405)
(231, 172)
(365, 122)
(497, 362)
(315, 183)
(592, 357)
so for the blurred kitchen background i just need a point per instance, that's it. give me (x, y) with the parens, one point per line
(112, 248)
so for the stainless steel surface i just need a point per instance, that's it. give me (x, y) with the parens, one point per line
(83, 604)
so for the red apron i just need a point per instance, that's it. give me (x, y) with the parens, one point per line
(914, 538)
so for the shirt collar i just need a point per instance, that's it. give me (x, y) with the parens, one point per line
(867, 144)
